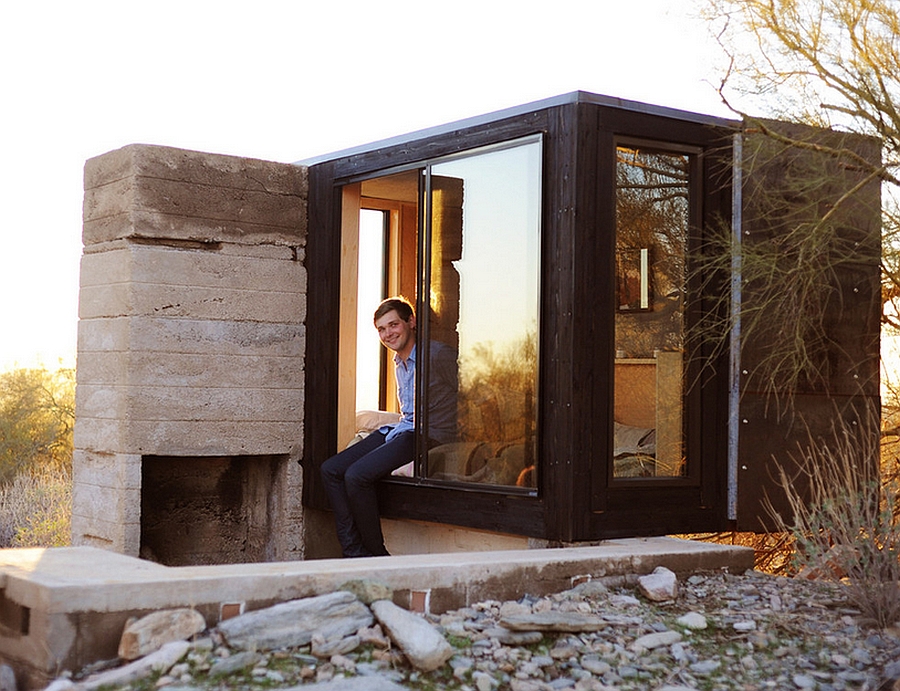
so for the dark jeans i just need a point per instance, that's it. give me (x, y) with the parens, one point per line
(350, 479)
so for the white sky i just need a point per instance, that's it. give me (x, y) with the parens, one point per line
(283, 81)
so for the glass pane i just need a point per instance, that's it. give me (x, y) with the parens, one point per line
(652, 204)
(484, 275)
(370, 292)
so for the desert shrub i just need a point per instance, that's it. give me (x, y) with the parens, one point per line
(37, 416)
(36, 508)
(847, 528)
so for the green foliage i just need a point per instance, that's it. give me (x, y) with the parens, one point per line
(37, 416)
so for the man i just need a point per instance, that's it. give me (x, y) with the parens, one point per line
(351, 475)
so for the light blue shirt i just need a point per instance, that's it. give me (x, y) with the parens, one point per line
(443, 388)
(406, 394)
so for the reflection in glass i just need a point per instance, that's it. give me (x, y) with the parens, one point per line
(652, 216)
(483, 303)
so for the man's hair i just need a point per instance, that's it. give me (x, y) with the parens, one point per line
(400, 304)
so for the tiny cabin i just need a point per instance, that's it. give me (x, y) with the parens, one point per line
(558, 248)
(571, 253)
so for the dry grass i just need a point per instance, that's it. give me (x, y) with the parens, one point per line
(847, 527)
(36, 509)
(774, 552)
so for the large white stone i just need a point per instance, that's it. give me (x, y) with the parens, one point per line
(293, 624)
(152, 632)
(659, 586)
(422, 644)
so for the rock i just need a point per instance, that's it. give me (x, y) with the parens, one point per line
(235, 663)
(563, 651)
(352, 684)
(373, 635)
(150, 633)
(324, 649)
(292, 624)
(514, 608)
(624, 601)
(659, 586)
(590, 589)
(507, 637)
(343, 663)
(61, 684)
(368, 591)
(159, 661)
(7, 678)
(861, 655)
(563, 622)
(422, 644)
(892, 670)
(655, 640)
(692, 620)
(483, 681)
(705, 666)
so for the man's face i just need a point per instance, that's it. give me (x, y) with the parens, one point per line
(397, 334)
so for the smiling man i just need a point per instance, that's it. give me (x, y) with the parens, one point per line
(351, 475)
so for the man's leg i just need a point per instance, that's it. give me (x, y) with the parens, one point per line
(359, 482)
(333, 473)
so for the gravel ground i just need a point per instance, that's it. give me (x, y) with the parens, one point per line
(746, 632)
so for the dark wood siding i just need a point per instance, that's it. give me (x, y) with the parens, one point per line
(840, 391)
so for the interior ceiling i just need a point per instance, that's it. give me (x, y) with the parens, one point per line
(400, 187)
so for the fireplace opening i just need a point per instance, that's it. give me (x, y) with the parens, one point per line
(208, 510)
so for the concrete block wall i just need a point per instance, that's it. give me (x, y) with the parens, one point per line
(191, 335)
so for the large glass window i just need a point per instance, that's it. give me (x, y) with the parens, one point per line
(460, 237)
(652, 221)
(483, 250)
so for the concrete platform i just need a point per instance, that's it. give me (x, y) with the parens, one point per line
(64, 608)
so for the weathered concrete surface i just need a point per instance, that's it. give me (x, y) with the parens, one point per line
(191, 337)
(64, 608)
(142, 191)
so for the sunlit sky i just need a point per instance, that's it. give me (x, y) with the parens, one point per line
(282, 81)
